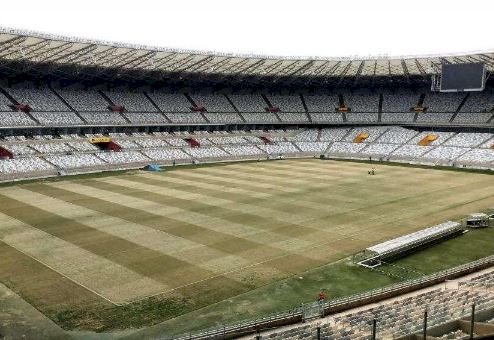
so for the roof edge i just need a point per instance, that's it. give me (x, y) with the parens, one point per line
(66, 38)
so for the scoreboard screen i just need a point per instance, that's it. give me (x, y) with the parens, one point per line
(462, 77)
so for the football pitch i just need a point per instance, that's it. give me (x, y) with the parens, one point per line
(150, 246)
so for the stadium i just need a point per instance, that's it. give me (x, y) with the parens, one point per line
(156, 193)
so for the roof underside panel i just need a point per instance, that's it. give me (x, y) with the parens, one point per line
(18, 48)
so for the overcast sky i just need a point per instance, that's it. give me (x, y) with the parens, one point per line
(270, 27)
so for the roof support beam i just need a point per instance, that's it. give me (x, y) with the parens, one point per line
(32, 50)
(6, 45)
(253, 66)
(344, 72)
(111, 59)
(76, 54)
(302, 68)
(359, 72)
(486, 59)
(181, 63)
(215, 66)
(121, 59)
(284, 70)
(236, 66)
(160, 62)
(194, 66)
(319, 68)
(25, 51)
(54, 52)
(266, 70)
(331, 71)
(92, 57)
(420, 67)
(13, 41)
(444, 61)
(138, 58)
(405, 68)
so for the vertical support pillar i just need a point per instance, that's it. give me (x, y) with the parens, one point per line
(425, 325)
(374, 324)
(472, 321)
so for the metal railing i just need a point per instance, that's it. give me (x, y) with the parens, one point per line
(338, 304)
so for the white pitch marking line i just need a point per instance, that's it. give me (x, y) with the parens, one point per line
(67, 277)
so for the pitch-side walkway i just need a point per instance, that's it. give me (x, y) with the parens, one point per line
(20, 320)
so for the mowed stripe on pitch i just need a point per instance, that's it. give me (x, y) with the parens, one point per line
(153, 190)
(373, 212)
(378, 185)
(383, 192)
(300, 197)
(305, 196)
(213, 232)
(144, 236)
(323, 212)
(297, 178)
(93, 272)
(43, 287)
(419, 175)
(223, 188)
(291, 225)
(165, 269)
(318, 239)
(204, 262)
(183, 211)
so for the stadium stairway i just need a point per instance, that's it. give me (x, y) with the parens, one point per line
(341, 102)
(53, 164)
(111, 103)
(305, 108)
(267, 101)
(194, 105)
(491, 120)
(296, 146)
(277, 116)
(62, 99)
(222, 149)
(270, 107)
(345, 136)
(344, 116)
(380, 107)
(419, 104)
(459, 108)
(235, 108)
(33, 118)
(6, 94)
(447, 139)
(15, 102)
(412, 137)
(157, 107)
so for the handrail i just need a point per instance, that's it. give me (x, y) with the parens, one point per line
(350, 301)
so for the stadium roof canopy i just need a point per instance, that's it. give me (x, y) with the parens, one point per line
(59, 56)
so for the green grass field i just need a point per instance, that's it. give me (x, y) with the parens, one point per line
(199, 246)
